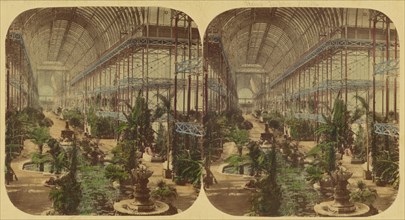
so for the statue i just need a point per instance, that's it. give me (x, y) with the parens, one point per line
(342, 195)
(141, 190)
(141, 204)
(341, 205)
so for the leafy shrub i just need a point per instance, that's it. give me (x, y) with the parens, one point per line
(247, 125)
(115, 172)
(98, 196)
(103, 127)
(273, 119)
(314, 173)
(301, 129)
(74, 117)
(363, 194)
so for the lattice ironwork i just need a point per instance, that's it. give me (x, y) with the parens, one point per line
(118, 115)
(251, 69)
(18, 37)
(161, 83)
(216, 87)
(192, 66)
(190, 128)
(308, 116)
(331, 44)
(104, 90)
(136, 41)
(386, 129)
(16, 84)
(389, 67)
(336, 85)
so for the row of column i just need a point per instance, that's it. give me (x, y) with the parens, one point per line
(21, 89)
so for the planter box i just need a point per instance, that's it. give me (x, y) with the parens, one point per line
(356, 161)
(181, 182)
(167, 174)
(367, 175)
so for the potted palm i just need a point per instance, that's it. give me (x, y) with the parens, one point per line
(165, 108)
(334, 135)
(39, 136)
(240, 137)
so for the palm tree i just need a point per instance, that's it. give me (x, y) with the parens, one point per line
(166, 101)
(335, 133)
(138, 126)
(240, 137)
(365, 110)
(39, 136)
(67, 193)
(58, 155)
(267, 199)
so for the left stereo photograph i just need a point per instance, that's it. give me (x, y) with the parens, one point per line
(103, 115)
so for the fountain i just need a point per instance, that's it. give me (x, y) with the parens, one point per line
(141, 204)
(341, 206)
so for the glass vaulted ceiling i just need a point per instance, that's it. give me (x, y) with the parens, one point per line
(275, 38)
(73, 38)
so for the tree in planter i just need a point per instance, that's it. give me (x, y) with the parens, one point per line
(167, 194)
(166, 107)
(254, 154)
(300, 129)
(161, 141)
(39, 136)
(193, 170)
(124, 155)
(387, 166)
(58, 156)
(100, 126)
(67, 193)
(37, 117)
(358, 151)
(138, 127)
(267, 199)
(74, 117)
(216, 128)
(17, 130)
(240, 137)
(369, 135)
(91, 151)
(335, 133)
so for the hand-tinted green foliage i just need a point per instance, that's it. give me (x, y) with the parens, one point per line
(98, 196)
(387, 167)
(39, 136)
(274, 119)
(161, 141)
(268, 198)
(240, 137)
(138, 126)
(124, 154)
(363, 194)
(167, 194)
(335, 134)
(115, 172)
(91, 151)
(58, 156)
(67, 193)
(302, 130)
(74, 117)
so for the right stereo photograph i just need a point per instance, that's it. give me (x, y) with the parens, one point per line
(307, 112)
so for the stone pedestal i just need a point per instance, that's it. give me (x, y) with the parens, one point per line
(341, 205)
(141, 204)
